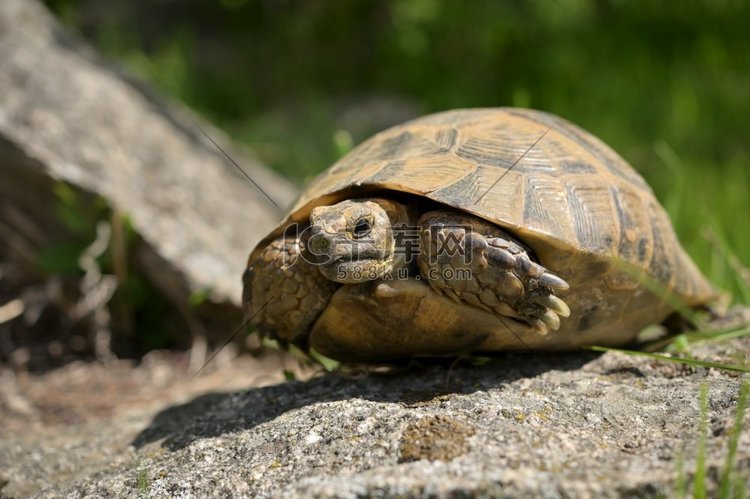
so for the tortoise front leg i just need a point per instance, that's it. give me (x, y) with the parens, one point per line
(473, 261)
(284, 293)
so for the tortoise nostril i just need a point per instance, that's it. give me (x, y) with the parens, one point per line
(319, 243)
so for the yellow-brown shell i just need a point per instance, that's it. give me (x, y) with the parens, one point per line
(586, 213)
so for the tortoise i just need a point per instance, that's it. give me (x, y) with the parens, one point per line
(468, 231)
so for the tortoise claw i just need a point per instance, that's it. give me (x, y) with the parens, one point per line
(540, 326)
(555, 304)
(551, 320)
(553, 282)
(499, 258)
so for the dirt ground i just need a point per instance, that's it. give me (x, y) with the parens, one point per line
(89, 391)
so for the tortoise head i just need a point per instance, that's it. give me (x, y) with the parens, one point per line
(354, 241)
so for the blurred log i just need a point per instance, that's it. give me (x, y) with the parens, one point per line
(72, 126)
(65, 116)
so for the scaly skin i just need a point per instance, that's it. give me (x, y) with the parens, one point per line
(284, 292)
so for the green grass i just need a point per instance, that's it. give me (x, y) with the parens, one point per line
(143, 483)
(731, 482)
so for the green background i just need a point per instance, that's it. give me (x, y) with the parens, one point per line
(664, 83)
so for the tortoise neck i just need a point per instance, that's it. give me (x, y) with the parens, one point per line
(405, 231)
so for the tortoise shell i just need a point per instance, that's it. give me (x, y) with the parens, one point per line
(586, 213)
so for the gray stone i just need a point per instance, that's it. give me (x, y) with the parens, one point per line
(579, 425)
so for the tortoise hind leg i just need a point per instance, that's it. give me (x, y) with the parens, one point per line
(473, 261)
(283, 293)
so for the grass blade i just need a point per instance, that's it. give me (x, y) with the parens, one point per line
(699, 480)
(680, 360)
(728, 333)
(734, 438)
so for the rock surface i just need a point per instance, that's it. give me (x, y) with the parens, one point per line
(582, 425)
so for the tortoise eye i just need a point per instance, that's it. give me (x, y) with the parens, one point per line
(362, 228)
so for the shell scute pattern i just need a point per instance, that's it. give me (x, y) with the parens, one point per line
(569, 193)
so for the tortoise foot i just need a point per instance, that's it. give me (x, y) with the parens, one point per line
(472, 261)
